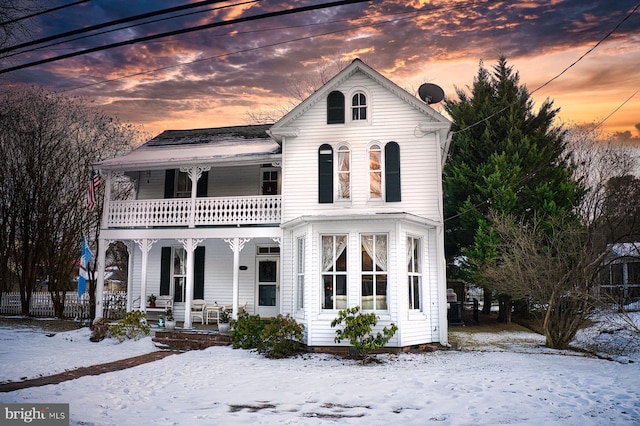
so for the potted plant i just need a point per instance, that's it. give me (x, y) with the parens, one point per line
(223, 323)
(169, 322)
(152, 300)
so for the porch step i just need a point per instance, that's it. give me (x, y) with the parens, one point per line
(185, 340)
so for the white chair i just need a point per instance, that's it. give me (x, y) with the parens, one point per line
(212, 313)
(198, 307)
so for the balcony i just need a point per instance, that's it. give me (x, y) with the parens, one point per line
(229, 211)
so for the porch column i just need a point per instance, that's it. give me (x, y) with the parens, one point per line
(107, 199)
(189, 245)
(236, 245)
(102, 250)
(145, 246)
(194, 175)
(129, 246)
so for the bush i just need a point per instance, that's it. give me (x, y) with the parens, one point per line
(281, 337)
(133, 325)
(246, 332)
(99, 329)
(358, 330)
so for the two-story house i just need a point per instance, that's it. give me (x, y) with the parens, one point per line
(337, 204)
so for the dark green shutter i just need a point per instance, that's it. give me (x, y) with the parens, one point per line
(169, 183)
(198, 279)
(392, 172)
(203, 182)
(325, 174)
(335, 108)
(165, 271)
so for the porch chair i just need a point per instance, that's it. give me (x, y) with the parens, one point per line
(197, 309)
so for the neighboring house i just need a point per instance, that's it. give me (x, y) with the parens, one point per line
(620, 277)
(337, 204)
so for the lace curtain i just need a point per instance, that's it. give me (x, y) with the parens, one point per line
(327, 250)
(379, 254)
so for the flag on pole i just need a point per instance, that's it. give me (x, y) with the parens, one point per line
(85, 258)
(94, 183)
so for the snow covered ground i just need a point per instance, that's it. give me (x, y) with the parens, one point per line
(496, 378)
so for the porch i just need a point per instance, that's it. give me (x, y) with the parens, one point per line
(202, 211)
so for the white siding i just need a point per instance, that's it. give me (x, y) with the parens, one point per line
(390, 120)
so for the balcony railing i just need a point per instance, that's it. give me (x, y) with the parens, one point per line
(254, 210)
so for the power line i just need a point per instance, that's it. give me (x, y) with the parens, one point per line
(131, 26)
(109, 24)
(183, 31)
(33, 15)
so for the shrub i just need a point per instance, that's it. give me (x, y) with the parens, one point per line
(247, 331)
(99, 329)
(133, 325)
(357, 329)
(281, 337)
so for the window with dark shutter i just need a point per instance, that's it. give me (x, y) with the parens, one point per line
(392, 172)
(335, 108)
(325, 174)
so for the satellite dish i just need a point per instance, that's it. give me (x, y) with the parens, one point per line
(431, 93)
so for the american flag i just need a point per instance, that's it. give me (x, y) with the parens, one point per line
(94, 183)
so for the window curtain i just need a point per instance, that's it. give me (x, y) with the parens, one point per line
(380, 252)
(327, 250)
(343, 173)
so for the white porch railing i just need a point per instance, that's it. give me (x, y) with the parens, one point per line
(259, 209)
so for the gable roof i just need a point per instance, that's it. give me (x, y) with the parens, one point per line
(436, 121)
(199, 146)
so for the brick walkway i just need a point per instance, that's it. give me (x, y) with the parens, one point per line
(93, 370)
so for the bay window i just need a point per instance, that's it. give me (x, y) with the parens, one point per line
(334, 271)
(374, 272)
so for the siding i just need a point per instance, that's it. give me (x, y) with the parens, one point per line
(390, 120)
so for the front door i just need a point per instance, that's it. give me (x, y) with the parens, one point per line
(267, 291)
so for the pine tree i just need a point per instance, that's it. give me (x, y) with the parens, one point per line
(504, 158)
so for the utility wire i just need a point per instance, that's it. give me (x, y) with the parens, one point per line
(185, 30)
(559, 74)
(42, 13)
(109, 24)
(131, 26)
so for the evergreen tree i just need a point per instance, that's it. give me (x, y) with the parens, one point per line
(504, 158)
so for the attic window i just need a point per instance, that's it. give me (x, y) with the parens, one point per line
(335, 108)
(359, 107)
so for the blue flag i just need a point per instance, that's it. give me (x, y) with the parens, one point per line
(85, 258)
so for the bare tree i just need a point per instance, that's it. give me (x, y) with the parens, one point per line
(47, 145)
(14, 27)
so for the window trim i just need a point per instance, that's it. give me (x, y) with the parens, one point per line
(374, 272)
(381, 171)
(368, 102)
(416, 243)
(343, 147)
(301, 248)
(334, 273)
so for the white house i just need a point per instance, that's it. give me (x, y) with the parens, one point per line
(337, 204)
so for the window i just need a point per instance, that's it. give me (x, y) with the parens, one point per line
(392, 172)
(300, 273)
(269, 181)
(374, 272)
(183, 185)
(344, 173)
(375, 172)
(325, 174)
(334, 271)
(179, 273)
(335, 108)
(359, 107)
(268, 250)
(414, 273)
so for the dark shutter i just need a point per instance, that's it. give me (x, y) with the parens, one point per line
(165, 271)
(198, 278)
(392, 172)
(203, 182)
(169, 183)
(325, 174)
(335, 108)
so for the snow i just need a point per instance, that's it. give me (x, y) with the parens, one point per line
(495, 378)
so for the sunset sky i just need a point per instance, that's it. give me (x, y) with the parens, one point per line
(231, 71)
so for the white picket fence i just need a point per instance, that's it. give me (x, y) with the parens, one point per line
(115, 304)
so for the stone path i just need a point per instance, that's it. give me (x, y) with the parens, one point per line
(93, 370)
